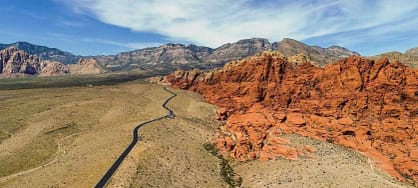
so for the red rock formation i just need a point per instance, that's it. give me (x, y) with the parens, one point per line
(371, 106)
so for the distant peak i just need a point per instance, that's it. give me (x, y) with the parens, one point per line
(172, 45)
(11, 49)
(291, 41)
(254, 39)
(336, 47)
(412, 52)
(23, 42)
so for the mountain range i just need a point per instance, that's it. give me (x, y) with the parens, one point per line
(19, 63)
(43, 52)
(178, 56)
(170, 57)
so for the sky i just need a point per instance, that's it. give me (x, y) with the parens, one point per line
(99, 27)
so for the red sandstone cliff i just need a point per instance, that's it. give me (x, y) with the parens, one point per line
(371, 106)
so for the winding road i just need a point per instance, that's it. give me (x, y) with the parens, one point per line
(116, 164)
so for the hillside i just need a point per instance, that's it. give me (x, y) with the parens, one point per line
(19, 63)
(370, 106)
(43, 52)
(171, 57)
(409, 58)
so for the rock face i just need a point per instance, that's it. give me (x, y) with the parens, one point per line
(166, 57)
(172, 57)
(238, 50)
(86, 66)
(370, 106)
(412, 52)
(316, 55)
(43, 53)
(409, 58)
(18, 63)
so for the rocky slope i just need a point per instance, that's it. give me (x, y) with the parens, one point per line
(167, 57)
(18, 63)
(316, 55)
(178, 56)
(410, 57)
(237, 50)
(43, 52)
(86, 66)
(412, 52)
(371, 106)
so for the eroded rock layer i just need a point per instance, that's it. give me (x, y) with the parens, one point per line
(18, 63)
(370, 106)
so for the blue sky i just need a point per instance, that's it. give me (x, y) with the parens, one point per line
(95, 27)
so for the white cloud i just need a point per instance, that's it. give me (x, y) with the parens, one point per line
(216, 22)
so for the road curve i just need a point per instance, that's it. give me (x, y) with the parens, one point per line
(106, 177)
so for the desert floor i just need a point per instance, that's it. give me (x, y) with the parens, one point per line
(69, 137)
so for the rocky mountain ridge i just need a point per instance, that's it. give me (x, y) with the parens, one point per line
(18, 63)
(171, 57)
(44, 53)
(370, 106)
(410, 57)
(178, 56)
(412, 52)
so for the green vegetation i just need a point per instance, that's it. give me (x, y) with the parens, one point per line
(67, 81)
(227, 173)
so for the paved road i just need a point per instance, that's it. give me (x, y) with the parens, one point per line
(116, 164)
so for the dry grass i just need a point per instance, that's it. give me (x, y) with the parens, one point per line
(93, 126)
(173, 153)
(101, 117)
(80, 131)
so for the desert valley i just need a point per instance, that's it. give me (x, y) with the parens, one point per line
(280, 120)
(208, 94)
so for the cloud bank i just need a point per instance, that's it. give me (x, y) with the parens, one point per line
(216, 22)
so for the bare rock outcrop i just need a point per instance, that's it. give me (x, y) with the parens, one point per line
(86, 66)
(370, 106)
(316, 55)
(409, 58)
(18, 63)
(178, 56)
(412, 52)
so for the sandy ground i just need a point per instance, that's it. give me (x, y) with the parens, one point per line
(332, 166)
(105, 125)
(79, 132)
